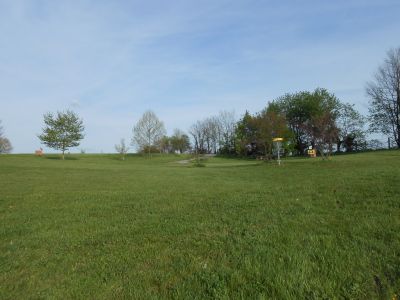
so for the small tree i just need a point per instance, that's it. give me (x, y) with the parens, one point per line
(62, 131)
(164, 144)
(148, 131)
(122, 149)
(179, 141)
(5, 144)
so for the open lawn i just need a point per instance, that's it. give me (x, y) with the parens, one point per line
(96, 227)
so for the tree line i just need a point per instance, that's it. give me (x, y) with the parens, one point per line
(316, 119)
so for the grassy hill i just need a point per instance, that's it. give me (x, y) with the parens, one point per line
(93, 226)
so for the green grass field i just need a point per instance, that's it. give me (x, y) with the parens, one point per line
(95, 227)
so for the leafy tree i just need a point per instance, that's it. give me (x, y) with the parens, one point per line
(122, 148)
(384, 94)
(270, 124)
(246, 135)
(164, 144)
(179, 141)
(62, 131)
(147, 132)
(350, 128)
(302, 109)
(323, 131)
(297, 110)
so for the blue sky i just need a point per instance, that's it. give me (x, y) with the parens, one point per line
(112, 60)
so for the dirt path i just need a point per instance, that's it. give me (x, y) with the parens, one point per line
(186, 161)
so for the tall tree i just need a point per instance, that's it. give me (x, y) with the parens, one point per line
(62, 131)
(148, 131)
(384, 94)
(227, 127)
(350, 125)
(198, 133)
(246, 135)
(5, 144)
(301, 108)
(270, 124)
(215, 134)
(211, 134)
(323, 131)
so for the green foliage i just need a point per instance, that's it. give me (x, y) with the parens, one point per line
(62, 131)
(271, 124)
(179, 142)
(254, 134)
(164, 144)
(246, 130)
(301, 119)
(302, 109)
(236, 229)
(149, 149)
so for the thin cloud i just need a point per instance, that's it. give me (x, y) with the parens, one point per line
(112, 60)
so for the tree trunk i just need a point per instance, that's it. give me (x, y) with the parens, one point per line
(63, 155)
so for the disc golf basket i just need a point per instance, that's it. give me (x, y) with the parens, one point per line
(278, 145)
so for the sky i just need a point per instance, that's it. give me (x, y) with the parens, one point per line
(110, 61)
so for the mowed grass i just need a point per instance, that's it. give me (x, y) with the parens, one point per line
(95, 227)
